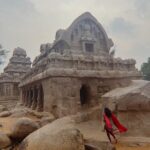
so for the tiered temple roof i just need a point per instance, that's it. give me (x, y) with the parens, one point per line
(18, 65)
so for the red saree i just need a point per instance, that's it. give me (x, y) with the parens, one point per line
(119, 126)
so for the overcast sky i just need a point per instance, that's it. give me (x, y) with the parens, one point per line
(29, 23)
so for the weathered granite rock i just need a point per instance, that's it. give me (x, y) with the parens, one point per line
(4, 140)
(22, 128)
(3, 108)
(46, 120)
(90, 114)
(91, 147)
(20, 112)
(40, 114)
(59, 135)
(5, 114)
(110, 147)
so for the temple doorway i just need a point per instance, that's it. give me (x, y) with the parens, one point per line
(85, 94)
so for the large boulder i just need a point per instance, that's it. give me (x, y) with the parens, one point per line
(4, 140)
(59, 135)
(46, 120)
(132, 105)
(3, 108)
(22, 128)
(20, 112)
(5, 114)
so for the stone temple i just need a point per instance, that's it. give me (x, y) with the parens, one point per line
(72, 73)
(18, 65)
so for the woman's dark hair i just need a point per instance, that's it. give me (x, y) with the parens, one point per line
(107, 112)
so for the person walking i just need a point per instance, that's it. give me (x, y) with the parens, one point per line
(112, 125)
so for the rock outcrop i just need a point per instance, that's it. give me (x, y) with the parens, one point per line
(4, 140)
(59, 135)
(3, 108)
(132, 105)
(22, 128)
(5, 114)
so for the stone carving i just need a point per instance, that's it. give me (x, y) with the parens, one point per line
(19, 63)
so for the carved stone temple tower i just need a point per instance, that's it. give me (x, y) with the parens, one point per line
(18, 65)
(71, 74)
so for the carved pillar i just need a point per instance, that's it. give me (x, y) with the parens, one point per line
(29, 101)
(26, 97)
(34, 99)
(22, 92)
(31, 97)
(39, 99)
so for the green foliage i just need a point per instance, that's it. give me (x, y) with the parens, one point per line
(3, 54)
(146, 69)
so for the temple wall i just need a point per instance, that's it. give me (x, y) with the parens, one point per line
(62, 95)
(9, 94)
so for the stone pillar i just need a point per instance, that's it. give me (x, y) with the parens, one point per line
(22, 96)
(34, 99)
(27, 100)
(30, 97)
(27, 97)
(39, 99)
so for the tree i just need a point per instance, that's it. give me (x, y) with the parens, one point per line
(3, 54)
(145, 68)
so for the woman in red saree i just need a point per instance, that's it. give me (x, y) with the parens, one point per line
(112, 125)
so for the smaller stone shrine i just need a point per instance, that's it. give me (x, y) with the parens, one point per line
(18, 65)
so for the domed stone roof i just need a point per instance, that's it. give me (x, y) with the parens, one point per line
(19, 51)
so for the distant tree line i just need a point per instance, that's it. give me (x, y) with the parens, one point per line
(3, 54)
(145, 68)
